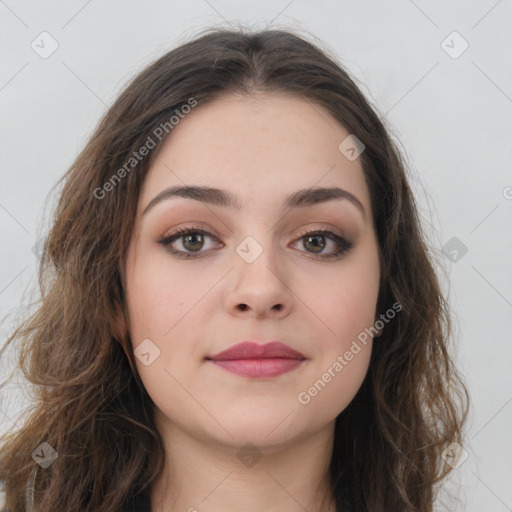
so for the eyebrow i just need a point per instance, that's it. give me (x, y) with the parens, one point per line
(219, 197)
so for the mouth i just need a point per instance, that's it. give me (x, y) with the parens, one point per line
(252, 360)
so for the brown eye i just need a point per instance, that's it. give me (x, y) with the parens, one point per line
(315, 243)
(192, 240)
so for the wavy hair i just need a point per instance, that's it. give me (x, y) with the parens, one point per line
(90, 404)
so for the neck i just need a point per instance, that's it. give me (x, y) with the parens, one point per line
(201, 475)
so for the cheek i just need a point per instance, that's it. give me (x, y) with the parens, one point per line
(343, 350)
(158, 303)
(158, 299)
(164, 306)
(346, 306)
(346, 303)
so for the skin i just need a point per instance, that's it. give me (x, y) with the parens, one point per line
(261, 148)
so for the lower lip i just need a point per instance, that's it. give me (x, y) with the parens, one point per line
(259, 367)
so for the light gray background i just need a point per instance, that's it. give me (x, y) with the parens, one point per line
(451, 114)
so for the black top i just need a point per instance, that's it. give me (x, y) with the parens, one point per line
(140, 503)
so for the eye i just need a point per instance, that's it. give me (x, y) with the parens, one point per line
(317, 241)
(192, 241)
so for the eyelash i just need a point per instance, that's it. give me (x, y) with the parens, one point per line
(344, 245)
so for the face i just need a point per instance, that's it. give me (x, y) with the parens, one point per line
(263, 271)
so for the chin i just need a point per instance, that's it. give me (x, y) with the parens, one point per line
(260, 427)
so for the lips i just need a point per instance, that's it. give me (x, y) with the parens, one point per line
(251, 350)
(250, 359)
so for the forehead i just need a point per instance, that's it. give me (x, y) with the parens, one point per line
(260, 147)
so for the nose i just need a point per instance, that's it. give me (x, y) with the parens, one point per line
(260, 288)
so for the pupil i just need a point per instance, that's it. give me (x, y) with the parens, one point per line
(188, 237)
(316, 245)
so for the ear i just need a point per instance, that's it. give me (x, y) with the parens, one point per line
(120, 327)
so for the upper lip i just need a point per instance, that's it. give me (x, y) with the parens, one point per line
(252, 350)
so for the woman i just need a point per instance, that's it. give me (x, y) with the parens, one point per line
(238, 304)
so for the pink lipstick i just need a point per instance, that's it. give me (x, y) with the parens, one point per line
(250, 359)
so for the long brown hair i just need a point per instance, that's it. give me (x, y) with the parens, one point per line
(91, 406)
